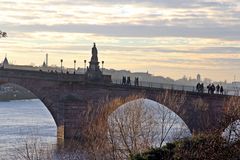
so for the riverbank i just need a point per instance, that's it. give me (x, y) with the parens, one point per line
(10, 92)
(10, 97)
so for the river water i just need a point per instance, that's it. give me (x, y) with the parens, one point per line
(21, 120)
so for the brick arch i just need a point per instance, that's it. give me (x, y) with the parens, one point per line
(178, 110)
(44, 100)
(50, 101)
(187, 111)
(137, 98)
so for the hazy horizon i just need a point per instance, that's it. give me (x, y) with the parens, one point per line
(168, 38)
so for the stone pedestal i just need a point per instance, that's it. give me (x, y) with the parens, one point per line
(93, 71)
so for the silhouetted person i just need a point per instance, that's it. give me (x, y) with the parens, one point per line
(136, 81)
(67, 72)
(198, 87)
(221, 90)
(123, 80)
(209, 88)
(128, 81)
(218, 88)
(212, 89)
(202, 88)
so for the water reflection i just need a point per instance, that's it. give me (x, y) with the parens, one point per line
(21, 120)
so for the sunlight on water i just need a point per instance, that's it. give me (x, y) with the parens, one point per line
(22, 119)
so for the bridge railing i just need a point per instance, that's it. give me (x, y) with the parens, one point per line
(178, 87)
(81, 77)
(159, 85)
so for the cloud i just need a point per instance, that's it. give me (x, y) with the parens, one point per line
(159, 3)
(196, 34)
(218, 32)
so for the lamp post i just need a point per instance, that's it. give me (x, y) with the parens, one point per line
(61, 65)
(85, 61)
(74, 66)
(102, 65)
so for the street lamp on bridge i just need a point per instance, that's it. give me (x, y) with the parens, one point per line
(102, 65)
(85, 61)
(61, 65)
(74, 66)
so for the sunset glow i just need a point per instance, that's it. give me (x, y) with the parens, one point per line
(168, 38)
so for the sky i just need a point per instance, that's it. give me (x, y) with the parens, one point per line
(170, 38)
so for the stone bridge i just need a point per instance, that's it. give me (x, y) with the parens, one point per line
(67, 96)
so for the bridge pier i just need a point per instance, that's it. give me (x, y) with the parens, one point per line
(74, 121)
(60, 135)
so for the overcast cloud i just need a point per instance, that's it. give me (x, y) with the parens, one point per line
(200, 35)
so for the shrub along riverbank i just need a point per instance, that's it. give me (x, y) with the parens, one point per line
(204, 147)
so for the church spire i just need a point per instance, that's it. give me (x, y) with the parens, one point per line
(5, 62)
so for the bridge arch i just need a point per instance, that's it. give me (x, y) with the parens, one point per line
(172, 101)
(143, 123)
(40, 92)
(160, 113)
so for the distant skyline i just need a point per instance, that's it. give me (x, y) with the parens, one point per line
(170, 38)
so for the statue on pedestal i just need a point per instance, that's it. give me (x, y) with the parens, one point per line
(94, 53)
(93, 71)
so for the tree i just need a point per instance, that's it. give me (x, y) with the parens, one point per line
(206, 146)
(32, 148)
(201, 146)
(131, 130)
(116, 132)
(231, 119)
(3, 34)
(140, 125)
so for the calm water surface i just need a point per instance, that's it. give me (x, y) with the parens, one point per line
(22, 119)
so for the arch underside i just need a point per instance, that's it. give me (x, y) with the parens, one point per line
(48, 103)
(130, 99)
(196, 119)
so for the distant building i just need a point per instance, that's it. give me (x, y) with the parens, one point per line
(198, 78)
(44, 64)
(236, 84)
(46, 61)
(207, 81)
(5, 62)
